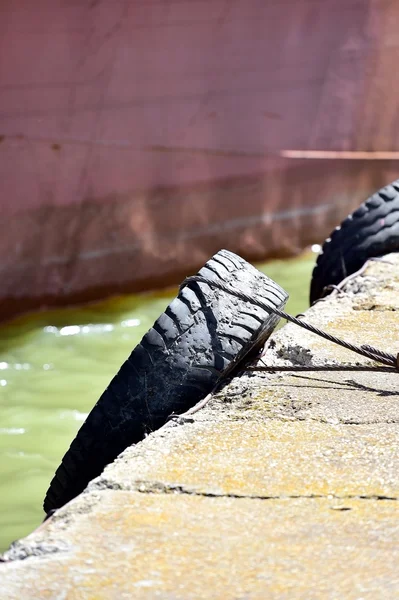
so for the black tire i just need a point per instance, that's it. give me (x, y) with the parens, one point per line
(371, 231)
(201, 337)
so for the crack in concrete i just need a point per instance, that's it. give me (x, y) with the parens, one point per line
(236, 416)
(158, 487)
(21, 550)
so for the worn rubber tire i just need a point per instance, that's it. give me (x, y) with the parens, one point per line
(371, 231)
(201, 337)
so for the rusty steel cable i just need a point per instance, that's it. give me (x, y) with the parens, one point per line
(366, 350)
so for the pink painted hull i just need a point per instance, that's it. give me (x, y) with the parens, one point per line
(137, 138)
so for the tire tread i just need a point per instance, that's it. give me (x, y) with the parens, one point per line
(179, 360)
(360, 236)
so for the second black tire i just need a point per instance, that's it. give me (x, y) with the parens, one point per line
(370, 231)
(202, 336)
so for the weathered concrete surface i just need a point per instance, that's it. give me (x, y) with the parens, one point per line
(285, 486)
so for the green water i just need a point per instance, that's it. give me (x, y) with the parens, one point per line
(53, 368)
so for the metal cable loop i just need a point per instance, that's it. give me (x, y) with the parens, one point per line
(375, 354)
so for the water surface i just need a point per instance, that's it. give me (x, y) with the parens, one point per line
(53, 367)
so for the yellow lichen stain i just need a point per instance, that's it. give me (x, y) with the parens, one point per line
(376, 328)
(119, 519)
(271, 457)
(218, 548)
(226, 544)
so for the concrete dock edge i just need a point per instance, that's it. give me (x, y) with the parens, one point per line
(286, 485)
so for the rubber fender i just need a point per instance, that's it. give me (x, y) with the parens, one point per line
(203, 335)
